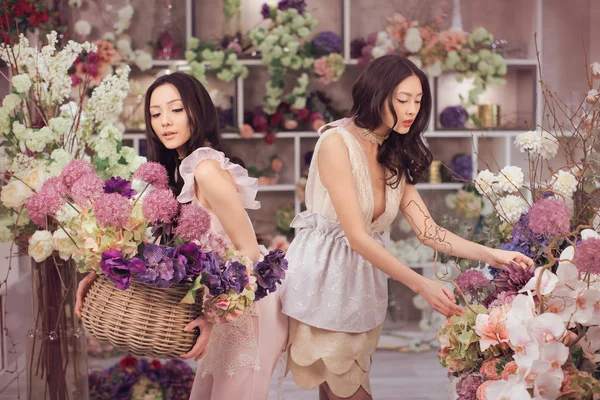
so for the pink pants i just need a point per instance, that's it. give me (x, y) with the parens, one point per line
(271, 329)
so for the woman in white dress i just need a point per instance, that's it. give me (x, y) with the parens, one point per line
(363, 171)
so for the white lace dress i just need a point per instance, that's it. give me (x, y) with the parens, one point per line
(336, 300)
(241, 355)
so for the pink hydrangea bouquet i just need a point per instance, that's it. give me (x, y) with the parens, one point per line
(533, 332)
(137, 230)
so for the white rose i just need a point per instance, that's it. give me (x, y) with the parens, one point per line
(63, 244)
(413, 40)
(510, 179)
(143, 60)
(484, 182)
(564, 183)
(124, 46)
(549, 145)
(219, 99)
(529, 141)
(40, 245)
(511, 208)
(595, 67)
(36, 178)
(15, 194)
(83, 28)
(21, 82)
(126, 13)
(10, 102)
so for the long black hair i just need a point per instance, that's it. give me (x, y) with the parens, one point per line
(401, 154)
(202, 117)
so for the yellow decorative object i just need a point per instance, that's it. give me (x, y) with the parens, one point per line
(488, 115)
(434, 172)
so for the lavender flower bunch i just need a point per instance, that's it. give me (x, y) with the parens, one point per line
(270, 272)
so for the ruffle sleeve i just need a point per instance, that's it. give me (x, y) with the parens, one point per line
(247, 186)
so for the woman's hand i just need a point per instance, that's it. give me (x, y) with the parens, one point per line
(82, 289)
(500, 258)
(199, 349)
(440, 298)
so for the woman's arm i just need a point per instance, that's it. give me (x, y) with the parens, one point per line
(218, 189)
(336, 175)
(431, 234)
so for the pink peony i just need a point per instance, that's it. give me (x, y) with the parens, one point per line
(86, 189)
(290, 124)
(160, 205)
(549, 217)
(153, 173)
(587, 256)
(74, 171)
(193, 223)
(112, 209)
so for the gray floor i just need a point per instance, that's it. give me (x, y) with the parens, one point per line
(395, 376)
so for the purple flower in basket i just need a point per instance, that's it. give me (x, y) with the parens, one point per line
(269, 272)
(162, 269)
(327, 42)
(234, 277)
(454, 117)
(120, 186)
(194, 264)
(211, 277)
(118, 269)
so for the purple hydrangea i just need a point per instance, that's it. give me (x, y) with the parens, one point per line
(211, 277)
(162, 268)
(467, 387)
(118, 269)
(454, 117)
(327, 42)
(120, 186)
(269, 272)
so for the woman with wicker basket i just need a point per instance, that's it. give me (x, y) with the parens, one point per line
(236, 358)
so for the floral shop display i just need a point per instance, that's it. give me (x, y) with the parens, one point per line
(533, 332)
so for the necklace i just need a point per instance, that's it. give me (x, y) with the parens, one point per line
(373, 137)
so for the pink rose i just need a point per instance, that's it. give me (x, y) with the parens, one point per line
(246, 131)
(489, 371)
(318, 124)
(290, 124)
(222, 304)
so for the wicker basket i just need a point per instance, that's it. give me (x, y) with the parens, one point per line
(143, 320)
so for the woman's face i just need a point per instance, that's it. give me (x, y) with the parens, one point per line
(168, 117)
(407, 103)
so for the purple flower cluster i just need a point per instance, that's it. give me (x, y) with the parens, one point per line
(326, 42)
(221, 277)
(467, 387)
(462, 167)
(453, 117)
(47, 201)
(163, 269)
(472, 282)
(549, 217)
(269, 272)
(268, 12)
(120, 186)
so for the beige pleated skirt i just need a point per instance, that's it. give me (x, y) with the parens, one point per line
(341, 359)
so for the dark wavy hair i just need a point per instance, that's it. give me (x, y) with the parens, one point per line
(402, 154)
(203, 119)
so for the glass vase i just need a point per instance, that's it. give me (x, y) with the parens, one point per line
(56, 345)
